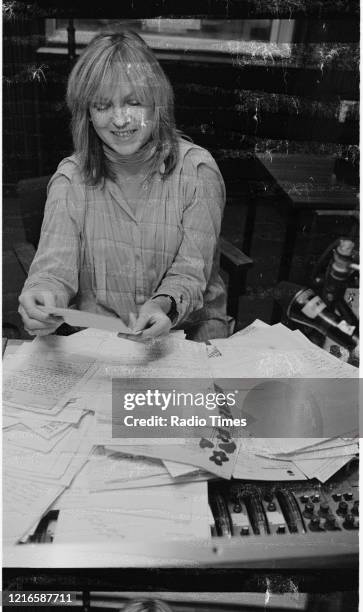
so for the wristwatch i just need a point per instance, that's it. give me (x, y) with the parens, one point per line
(173, 311)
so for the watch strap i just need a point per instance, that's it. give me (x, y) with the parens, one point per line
(173, 311)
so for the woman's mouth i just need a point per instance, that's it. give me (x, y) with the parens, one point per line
(124, 134)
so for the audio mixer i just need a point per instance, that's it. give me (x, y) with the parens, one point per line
(241, 509)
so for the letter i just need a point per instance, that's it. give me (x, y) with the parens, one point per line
(149, 397)
(199, 400)
(185, 396)
(140, 399)
(166, 399)
(215, 419)
(231, 399)
(174, 420)
(227, 422)
(127, 419)
(128, 401)
(157, 397)
(220, 399)
(210, 401)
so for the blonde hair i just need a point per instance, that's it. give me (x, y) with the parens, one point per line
(107, 58)
(147, 605)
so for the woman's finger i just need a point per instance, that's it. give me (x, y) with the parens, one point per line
(40, 332)
(160, 327)
(132, 320)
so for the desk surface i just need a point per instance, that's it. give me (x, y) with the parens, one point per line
(308, 182)
(308, 550)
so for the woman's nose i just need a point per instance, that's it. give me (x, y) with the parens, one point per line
(121, 116)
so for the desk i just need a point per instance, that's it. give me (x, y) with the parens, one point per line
(305, 183)
(273, 549)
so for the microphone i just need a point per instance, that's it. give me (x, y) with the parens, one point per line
(338, 272)
(308, 308)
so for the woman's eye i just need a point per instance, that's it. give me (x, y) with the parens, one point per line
(101, 106)
(134, 103)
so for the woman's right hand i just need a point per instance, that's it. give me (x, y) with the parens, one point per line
(36, 321)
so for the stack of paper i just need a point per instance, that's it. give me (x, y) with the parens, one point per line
(168, 512)
(45, 425)
(55, 443)
(173, 359)
(294, 459)
(275, 351)
(60, 452)
(295, 423)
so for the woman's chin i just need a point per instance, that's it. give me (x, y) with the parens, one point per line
(126, 148)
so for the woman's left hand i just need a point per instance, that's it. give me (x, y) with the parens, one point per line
(152, 320)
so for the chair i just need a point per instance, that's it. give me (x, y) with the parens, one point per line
(32, 196)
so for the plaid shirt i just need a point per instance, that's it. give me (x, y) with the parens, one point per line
(97, 252)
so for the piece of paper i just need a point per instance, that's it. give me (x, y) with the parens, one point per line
(69, 414)
(23, 503)
(116, 467)
(275, 352)
(251, 467)
(26, 438)
(180, 469)
(322, 469)
(338, 451)
(9, 421)
(81, 318)
(53, 467)
(205, 453)
(160, 480)
(169, 512)
(44, 381)
(92, 525)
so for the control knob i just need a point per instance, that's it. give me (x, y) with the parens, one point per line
(271, 507)
(309, 509)
(342, 507)
(315, 524)
(331, 523)
(349, 522)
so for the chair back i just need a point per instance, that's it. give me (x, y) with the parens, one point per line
(32, 194)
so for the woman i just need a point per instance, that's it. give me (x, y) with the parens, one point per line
(132, 219)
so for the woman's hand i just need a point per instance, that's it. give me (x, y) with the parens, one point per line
(36, 321)
(152, 320)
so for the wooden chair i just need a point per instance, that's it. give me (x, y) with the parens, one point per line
(32, 197)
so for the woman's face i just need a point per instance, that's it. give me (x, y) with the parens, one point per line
(120, 120)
